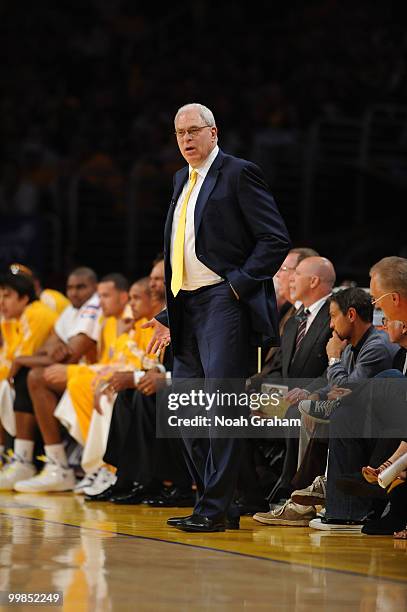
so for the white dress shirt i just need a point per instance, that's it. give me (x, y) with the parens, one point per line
(314, 310)
(196, 274)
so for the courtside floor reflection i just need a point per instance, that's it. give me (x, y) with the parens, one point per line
(105, 557)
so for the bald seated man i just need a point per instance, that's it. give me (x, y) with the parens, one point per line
(311, 284)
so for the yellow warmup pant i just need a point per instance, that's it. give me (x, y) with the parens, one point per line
(4, 372)
(81, 393)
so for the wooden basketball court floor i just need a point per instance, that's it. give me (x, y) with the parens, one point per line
(108, 557)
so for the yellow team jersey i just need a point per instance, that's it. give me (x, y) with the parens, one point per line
(108, 340)
(105, 348)
(10, 336)
(55, 300)
(128, 352)
(130, 348)
(34, 327)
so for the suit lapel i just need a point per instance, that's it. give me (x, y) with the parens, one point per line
(206, 190)
(204, 193)
(290, 333)
(317, 326)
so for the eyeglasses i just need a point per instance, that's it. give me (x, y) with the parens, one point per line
(374, 301)
(192, 131)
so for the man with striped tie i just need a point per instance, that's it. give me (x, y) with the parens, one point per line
(304, 357)
(224, 240)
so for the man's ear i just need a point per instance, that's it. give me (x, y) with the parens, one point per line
(315, 281)
(24, 299)
(396, 298)
(352, 314)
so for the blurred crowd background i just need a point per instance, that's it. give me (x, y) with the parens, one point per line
(315, 92)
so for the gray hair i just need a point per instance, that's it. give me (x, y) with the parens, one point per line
(303, 253)
(205, 113)
(393, 274)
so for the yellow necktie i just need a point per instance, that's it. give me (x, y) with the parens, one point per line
(178, 250)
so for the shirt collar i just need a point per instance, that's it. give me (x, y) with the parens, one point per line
(355, 349)
(204, 167)
(318, 304)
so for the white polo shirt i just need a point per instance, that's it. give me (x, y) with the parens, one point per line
(83, 320)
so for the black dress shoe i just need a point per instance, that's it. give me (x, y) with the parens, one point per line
(106, 495)
(135, 495)
(172, 498)
(247, 508)
(201, 524)
(385, 526)
(233, 523)
(176, 521)
(395, 519)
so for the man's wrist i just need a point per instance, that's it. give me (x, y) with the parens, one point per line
(137, 376)
(333, 360)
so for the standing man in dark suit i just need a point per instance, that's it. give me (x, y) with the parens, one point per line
(224, 240)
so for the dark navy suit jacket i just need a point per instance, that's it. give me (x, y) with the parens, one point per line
(240, 235)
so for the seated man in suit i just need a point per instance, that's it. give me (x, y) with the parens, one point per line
(272, 366)
(303, 349)
(258, 454)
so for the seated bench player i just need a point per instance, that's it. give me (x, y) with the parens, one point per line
(72, 338)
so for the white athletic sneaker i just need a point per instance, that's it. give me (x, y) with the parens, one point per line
(324, 525)
(86, 481)
(15, 471)
(6, 458)
(104, 479)
(53, 477)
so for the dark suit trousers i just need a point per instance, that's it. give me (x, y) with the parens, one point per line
(347, 455)
(133, 448)
(119, 427)
(213, 343)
